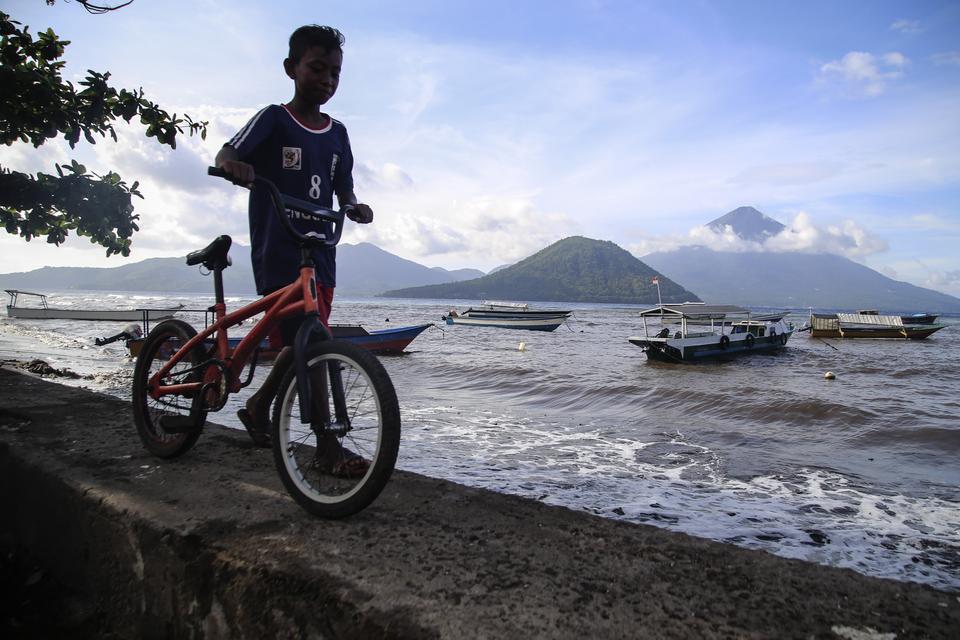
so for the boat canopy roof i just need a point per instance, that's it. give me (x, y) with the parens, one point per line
(504, 304)
(695, 310)
(15, 292)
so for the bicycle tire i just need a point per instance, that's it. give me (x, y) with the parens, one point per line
(166, 337)
(374, 433)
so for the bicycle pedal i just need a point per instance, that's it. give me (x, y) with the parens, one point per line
(178, 424)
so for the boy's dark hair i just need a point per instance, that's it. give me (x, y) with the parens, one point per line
(314, 35)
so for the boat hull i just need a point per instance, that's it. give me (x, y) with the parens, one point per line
(380, 341)
(920, 318)
(509, 316)
(906, 332)
(708, 347)
(122, 315)
(530, 324)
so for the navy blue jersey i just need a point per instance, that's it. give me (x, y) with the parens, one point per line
(310, 164)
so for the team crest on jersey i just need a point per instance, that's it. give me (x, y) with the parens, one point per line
(291, 158)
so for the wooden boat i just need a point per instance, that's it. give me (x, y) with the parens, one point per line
(509, 315)
(868, 325)
(920, 318)
(695, 331)
(46, 312)
(379, 341)
(382, 341)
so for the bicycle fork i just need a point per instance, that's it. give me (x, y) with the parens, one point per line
(310, 326)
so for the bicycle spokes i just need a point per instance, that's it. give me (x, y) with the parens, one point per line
(337, 462)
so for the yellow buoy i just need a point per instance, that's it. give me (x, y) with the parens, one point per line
(522, 346)
(829, 375)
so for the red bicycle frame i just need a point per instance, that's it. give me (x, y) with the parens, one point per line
(297, 298)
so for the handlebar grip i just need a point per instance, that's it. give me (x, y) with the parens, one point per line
(217, 172)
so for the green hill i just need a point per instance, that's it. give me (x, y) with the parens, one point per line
(574, 269)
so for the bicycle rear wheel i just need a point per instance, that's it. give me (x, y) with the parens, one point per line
(312, 459)
(150, 414)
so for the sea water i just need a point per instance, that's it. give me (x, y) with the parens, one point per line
(860, 472)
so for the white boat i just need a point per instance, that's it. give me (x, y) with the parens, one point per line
(509, 315)
(45, 312)
(696, 331)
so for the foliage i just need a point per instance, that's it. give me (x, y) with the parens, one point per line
(95, 8)
(37, 105)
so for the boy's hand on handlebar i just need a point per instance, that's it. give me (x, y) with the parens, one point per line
(361, 213)
(241, 172)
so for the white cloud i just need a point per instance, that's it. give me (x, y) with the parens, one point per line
(888, 271)
(863, 73)
(947, 58)
(932, 222)
(481, 232)
(787, 173)
(846, 238)
(944, 279)
(475, 152)
(387, 176)
(801, 236)
(911, 27)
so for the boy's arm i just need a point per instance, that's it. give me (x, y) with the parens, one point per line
(361, 213)
(229, 160)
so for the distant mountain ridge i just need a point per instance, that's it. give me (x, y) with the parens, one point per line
(362, 270)
(574, 269)
(790, 279)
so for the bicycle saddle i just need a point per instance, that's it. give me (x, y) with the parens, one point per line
(214, 256)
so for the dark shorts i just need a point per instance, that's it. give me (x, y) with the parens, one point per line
(284, 335)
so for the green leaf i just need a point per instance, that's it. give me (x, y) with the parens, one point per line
(37, 104)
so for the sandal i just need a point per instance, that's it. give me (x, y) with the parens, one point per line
(259, 434)
(347, 465)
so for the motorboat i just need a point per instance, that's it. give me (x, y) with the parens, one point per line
(389, 341)
(392, 340)
(43, 311)
(694, 331)
(508, 315)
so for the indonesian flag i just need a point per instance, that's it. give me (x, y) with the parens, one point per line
(655, 280)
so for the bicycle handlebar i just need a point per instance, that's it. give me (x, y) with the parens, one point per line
(282, 202)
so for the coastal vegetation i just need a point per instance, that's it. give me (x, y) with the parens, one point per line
(575, 269)
(37, 105)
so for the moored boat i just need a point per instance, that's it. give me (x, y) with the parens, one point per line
(868, 325)
(46, 312)
(920, 318)
(694, 331)
(392, 340)
(509, 315)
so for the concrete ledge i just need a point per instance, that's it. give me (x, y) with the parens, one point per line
(210, 546)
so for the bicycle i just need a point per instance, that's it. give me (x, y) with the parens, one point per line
(335, 398)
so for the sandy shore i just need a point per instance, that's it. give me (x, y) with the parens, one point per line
(210, 544)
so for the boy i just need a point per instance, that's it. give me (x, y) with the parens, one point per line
(307, 155)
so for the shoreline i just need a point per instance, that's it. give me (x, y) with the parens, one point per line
(202, 537)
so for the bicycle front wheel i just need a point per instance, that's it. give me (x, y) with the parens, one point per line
(318, 462)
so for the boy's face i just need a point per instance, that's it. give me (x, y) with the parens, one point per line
(316, 75)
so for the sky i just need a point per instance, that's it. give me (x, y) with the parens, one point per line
(483, 132)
